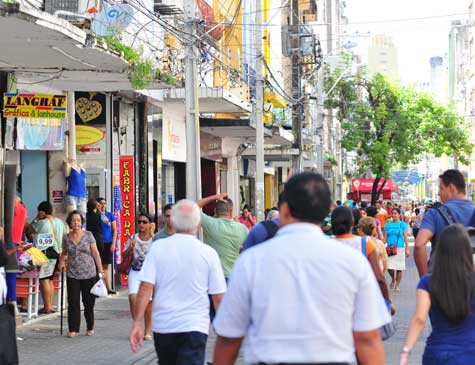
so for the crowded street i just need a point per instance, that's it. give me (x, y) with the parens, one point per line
(111, 346)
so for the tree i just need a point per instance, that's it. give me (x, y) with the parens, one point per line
(389, 125)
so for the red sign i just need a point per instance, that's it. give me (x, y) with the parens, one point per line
(90, 149)
(366, 185)
(127, 190)
(58, 196)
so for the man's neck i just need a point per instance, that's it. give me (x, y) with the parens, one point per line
(169, 230)
(224, 216)
(458, 197)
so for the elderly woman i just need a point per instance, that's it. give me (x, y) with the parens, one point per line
(83, 261)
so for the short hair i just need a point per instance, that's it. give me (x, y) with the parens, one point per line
(167, 207)
(100, 200)
(91, 204)
(308, 197)
(338, 203)
(397, 210)
(372, 211)
(367, 225)
(417, 211)
(273, 214)
(185, 216)
(454, 177)
(69, 219)
(223, 207)
(342, 220)
(45, 207)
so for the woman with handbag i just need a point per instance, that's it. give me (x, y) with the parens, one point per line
(83, 262)
(396, 239)
(135, 250)
(47, 228)
(447, 296)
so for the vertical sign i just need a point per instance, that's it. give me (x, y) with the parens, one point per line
(127, 189)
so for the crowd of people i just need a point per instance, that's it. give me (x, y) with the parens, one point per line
(314, 293)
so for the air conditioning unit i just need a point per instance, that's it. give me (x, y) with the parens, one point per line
(71, 6)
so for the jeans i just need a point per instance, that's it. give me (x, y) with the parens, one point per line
(187, 348)
(435, 357)
(77, 288)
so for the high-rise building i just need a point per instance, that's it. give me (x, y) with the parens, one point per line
(438, 73)
(383, 57)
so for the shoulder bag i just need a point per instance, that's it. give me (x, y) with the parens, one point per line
(391, 250)
(125, 262)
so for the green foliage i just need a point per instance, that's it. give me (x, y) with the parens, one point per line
(143, 73)
(388, 125)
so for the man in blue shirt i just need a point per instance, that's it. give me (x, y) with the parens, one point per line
(109, 234)
(452, 192)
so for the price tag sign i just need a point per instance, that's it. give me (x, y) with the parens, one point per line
(44, 241)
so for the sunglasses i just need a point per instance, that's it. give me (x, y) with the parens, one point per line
(143, 222)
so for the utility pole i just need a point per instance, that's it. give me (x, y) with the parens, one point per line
(259, 113)
(320, 120)
(193, 162)
(297, 109)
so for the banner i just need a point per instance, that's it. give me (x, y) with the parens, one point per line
(40, 134)
(127, 189)
(34, 106)
(40, 120)
(90, 108)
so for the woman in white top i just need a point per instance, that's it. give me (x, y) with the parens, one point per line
(140, 243)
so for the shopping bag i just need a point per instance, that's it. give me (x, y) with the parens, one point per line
(37, 257)
(99, 289)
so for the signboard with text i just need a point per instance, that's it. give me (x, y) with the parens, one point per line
(34, 106)
(127, 190)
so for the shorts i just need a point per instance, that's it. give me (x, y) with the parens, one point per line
(76, 202)
(133, 281)
(106, 254)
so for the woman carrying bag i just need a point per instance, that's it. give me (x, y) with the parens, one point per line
(447, 297)
(83, 261)
(396, 234)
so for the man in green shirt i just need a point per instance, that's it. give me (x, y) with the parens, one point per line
(222, 233)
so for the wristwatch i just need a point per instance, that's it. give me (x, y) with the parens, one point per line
(406, 349)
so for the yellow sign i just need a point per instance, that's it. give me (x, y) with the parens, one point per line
(87, 135)
(34, 106)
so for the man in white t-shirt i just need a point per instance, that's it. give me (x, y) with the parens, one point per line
(301, 297)
(183, 271)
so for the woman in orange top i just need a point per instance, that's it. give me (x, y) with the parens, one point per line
(342, 224)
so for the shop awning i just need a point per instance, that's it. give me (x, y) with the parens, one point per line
(211, 99)
(232, 128)
(50, 52)
(273, 154)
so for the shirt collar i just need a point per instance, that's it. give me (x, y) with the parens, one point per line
(299, 227)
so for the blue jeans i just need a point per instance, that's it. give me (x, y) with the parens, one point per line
(437, 357)
(186, 348)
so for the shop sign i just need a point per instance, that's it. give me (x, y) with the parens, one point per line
(87, 135)
(58, 196)
(174, 137)
(34, 106)
(90, 108)
(211, 147)
(127, 189)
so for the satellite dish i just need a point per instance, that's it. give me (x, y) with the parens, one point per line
(112, 19)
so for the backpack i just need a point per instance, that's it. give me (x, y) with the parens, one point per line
(449, 219)
(271, 229)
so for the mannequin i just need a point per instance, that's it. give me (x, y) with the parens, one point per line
(76, 195)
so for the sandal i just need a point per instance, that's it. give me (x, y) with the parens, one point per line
(46, 311)
(90, 333)
(72, 334)
(148, 338)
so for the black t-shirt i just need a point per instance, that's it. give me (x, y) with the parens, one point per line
(94, 225)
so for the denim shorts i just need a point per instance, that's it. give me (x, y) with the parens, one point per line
(76, 202)
(438, 357)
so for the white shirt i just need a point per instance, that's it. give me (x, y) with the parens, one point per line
(184, 271)
(3, 287)
(298, 297)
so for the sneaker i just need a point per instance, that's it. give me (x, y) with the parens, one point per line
(112, 292)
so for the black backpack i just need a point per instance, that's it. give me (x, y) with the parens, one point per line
(449, 219)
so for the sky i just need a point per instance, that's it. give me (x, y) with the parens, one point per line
(416, 40)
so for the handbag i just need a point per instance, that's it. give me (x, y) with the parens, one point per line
(126, 262)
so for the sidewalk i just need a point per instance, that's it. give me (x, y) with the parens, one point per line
(42, 343)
